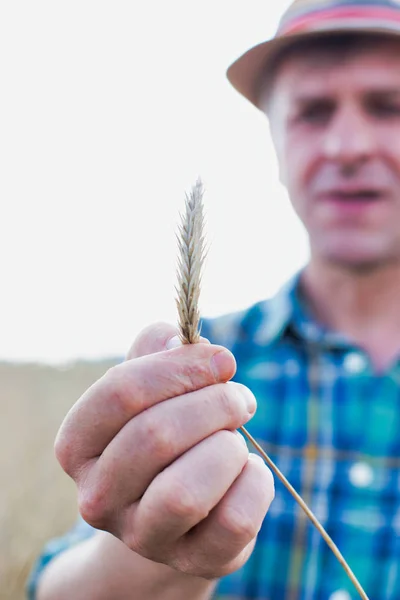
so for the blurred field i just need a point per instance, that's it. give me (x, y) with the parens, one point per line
(37, 500)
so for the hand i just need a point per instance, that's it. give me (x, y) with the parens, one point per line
(153, 450)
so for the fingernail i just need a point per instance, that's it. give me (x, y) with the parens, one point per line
(250, 399)
(173, 342)
(223, 365)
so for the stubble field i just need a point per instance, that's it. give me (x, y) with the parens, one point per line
(37, 499)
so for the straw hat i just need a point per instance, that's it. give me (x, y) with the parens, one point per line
(312, 18)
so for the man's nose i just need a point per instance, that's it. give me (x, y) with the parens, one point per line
(349, 140)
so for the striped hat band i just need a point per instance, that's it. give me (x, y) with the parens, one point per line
(343, 14)
(310, 18)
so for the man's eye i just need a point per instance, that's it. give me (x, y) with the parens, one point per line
(386, 109)
(316, 113)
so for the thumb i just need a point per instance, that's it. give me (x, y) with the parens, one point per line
(156, 338)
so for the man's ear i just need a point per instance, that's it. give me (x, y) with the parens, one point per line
(269, 105)
(277, 143)
(282, 174)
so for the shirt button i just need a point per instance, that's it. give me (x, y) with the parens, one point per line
(292, 368)
(355, 362)
(340, 595)
(310, 331)
(361, 475)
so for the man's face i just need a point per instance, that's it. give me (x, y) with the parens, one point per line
(336, 129)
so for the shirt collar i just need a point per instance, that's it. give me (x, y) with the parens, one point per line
(287, 314)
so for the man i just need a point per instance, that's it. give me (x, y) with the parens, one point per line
(152, 446)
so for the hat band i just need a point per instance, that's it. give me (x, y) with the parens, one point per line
(358, 17)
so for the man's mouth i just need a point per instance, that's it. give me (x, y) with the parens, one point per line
(359, 195)
(353, 204)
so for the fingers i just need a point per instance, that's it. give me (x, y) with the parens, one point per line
(157, 464)
(130, 388)
(233, 525)
(185, 492)
(158, 436)
(202, 514)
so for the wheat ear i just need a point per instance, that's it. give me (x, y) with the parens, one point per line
(190, 262)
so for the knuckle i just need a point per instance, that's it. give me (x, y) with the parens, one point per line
(66, 451)
(195, 374)
(140, 539)
(92, 505)
(120, 389)
(114, 378)
(61, 451)
(239, 524)
(140, 543)
(160, 438)
(231, 400)
(182, 503)
(226, 400)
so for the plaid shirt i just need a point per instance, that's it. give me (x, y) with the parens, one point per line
(332, 426)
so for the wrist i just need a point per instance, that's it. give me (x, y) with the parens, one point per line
(102, 567)
(145, 578)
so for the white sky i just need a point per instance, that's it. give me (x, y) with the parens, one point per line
(109, 112)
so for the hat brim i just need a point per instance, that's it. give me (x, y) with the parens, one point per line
(246, 72)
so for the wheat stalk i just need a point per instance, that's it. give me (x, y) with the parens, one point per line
(190, 262)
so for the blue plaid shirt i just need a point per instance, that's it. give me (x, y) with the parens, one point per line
(332, 426)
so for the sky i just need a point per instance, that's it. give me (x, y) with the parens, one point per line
(109, 113)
